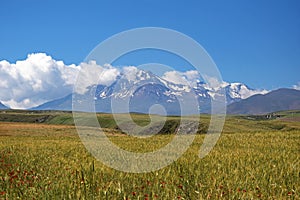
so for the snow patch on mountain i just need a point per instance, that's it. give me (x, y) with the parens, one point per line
(239, 90)
(297, 87)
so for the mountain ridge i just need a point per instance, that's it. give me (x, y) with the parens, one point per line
(258, 107)
(144, 89)
(276, 100)
(3, 107)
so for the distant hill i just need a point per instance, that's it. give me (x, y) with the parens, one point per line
(281, 99)
(2, 107)
(64, 103)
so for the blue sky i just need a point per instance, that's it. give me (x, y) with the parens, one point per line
(254, 42)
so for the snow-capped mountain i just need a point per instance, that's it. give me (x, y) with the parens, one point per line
(3, 107)
(239, 91)
(136, 90)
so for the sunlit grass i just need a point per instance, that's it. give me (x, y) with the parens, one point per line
(50, 162)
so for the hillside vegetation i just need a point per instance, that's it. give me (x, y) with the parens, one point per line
(285, 120)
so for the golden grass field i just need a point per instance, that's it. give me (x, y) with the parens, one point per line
(252, 160)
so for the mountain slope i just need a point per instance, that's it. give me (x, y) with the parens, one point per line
(281, 99)
(2, 107)
(64, 103)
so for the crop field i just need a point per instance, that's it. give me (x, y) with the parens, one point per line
(42, 157)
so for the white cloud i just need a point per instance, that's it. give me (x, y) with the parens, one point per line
(297, 87)
(184, 78)
(245, 95)
(35, 80)
(174, 77)
(213, 83)
(130, 72)
(39, 78)
(91, 74)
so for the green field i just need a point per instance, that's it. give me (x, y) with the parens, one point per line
(42, 157)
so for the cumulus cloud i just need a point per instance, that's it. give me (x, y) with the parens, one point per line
(184, 78)
(253, 92)
(35, 80)
(130, 72)
(297, 87)
(213, 83)
(91, 74)
(39, 78)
